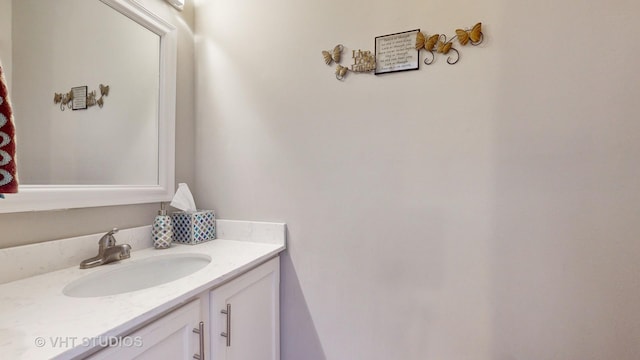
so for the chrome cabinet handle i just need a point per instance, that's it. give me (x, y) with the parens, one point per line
(227, 334)
(200, 332)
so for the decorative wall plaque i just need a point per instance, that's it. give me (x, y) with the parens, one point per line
(363, 61)
(397, 52)
(401, 51)
(79, 100)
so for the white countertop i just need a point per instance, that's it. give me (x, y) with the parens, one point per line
(37, 321)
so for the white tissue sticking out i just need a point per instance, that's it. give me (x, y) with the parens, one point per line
(183, 199)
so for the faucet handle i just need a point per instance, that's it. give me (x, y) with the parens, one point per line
(107, 239)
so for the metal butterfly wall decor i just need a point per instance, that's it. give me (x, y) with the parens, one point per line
(333, 56)
(365, 61)
(438, 43)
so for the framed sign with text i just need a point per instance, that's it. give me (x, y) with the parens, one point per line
(79, 101)
(397, 52)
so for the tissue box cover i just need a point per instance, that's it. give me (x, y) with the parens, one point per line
(193, 227)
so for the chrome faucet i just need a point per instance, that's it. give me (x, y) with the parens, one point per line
(108, 251)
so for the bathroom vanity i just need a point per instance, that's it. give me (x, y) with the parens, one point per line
(228, 309)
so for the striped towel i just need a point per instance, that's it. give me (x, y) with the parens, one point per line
(8, 172)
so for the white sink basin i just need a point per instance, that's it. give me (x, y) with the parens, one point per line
(122, 277)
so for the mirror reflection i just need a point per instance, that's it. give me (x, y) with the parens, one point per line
(64, 44)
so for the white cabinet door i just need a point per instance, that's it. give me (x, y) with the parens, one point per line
(252, 326)
(170, 337)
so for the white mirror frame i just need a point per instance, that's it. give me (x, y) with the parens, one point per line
(53, 197)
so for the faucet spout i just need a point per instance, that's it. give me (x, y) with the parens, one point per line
(108, 252)
(92, 262)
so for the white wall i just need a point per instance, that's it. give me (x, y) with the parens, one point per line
(486, 210)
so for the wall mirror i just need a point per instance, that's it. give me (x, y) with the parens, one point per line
(120, 153)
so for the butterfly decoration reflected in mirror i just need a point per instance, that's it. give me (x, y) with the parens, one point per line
(66, 100)
(104, 90)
